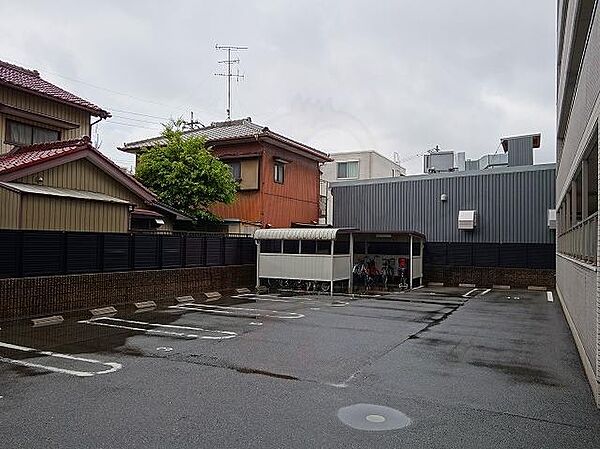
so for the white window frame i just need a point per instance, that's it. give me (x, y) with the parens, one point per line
(279, 165)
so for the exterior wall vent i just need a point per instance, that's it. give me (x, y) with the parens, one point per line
(552, 218)
(467, 219)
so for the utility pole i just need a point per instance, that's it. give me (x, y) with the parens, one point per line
(229, 75)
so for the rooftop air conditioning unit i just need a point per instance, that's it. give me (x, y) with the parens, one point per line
(552, 218)
(467, 219)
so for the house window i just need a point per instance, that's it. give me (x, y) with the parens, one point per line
(346, 170)
(23, 134)
(279, 169)
(236, 170)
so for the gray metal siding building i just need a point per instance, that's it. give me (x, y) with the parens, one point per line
(512, 204)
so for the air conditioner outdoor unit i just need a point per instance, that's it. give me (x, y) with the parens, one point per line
(467, 219)
(552, 218)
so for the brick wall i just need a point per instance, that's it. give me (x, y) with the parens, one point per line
(46, 295)
(480, 276)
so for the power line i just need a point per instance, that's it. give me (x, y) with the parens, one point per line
(138, 113)
(112, 122)
(121, 117)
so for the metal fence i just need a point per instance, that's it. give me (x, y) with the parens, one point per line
(491, 255)
(40, 253)
(580, 241)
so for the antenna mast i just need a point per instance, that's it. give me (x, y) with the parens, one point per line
(229, 75)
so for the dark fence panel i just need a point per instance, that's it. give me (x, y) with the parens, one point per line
(146, 252)
(214, 251)
(116, 252)
(195, 254)
(232, 251)
(460, 254)
(38, 253)
(504, 255)
(10, 253)
(43, 253)
(171, 251)
(82, 253)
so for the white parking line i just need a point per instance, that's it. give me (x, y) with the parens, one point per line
(485, 292)
(550, 296)
(100, 321)
(467, 295)
(230, 310)
(292, 299)
(113, 366)
(417, 288)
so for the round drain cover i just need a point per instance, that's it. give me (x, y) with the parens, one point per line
(372, 417)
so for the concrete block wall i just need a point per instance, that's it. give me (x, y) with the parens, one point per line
(487, 277)
(47, 295)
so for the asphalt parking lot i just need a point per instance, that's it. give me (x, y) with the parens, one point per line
(443, 367)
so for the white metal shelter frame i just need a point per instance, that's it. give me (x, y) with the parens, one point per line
(324, 267)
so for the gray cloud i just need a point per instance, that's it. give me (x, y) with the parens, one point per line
(397, 76)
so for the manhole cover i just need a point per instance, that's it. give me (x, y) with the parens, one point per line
(372, 417)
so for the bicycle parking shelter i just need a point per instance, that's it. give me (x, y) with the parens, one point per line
(327, 255)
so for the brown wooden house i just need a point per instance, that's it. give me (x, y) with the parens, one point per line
(278, 177)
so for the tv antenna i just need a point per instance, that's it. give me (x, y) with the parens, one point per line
(191, 125)
(229, 75)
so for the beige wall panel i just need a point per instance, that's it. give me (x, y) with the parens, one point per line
(31, 103)
(249, 168)
(64, 214)
(83, 175)
(9, 209)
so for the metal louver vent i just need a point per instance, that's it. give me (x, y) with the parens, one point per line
(467, 219)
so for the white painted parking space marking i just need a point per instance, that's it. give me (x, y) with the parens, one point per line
(485, 292)
(164, 348)
(468, 294)
(550, 296)
(293, 299)
(113, 366)
(417, 288)
(231, 310)
(102, 321)
(255, 323)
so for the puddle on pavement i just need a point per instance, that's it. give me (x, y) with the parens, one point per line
(371, 417)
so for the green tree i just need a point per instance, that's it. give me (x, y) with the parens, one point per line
(185, 175)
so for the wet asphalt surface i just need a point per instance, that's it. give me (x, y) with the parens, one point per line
(484, 371)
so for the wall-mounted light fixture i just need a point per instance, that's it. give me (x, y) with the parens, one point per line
(444, 197)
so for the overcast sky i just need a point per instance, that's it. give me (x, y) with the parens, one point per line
(395, 76)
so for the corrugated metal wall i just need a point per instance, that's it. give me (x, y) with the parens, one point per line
(512, 206)
(82, 175)
(65, 214)
(10, 202)
(520, 151)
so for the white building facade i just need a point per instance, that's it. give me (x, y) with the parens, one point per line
(578, 112)
(353, 165)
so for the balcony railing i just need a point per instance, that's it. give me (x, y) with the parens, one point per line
(581, 240)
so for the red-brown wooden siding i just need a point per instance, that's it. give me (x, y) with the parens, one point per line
(296, 200)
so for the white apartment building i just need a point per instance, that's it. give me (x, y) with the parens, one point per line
(363, 164)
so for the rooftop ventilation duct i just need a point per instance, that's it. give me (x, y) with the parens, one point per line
(520, 148)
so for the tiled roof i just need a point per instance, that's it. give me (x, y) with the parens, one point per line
(22, 157)
(219, 131)
(234, 129)
(31, 155)
(30, 81)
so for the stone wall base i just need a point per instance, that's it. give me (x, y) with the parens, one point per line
(47, 295)
(486, 277)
